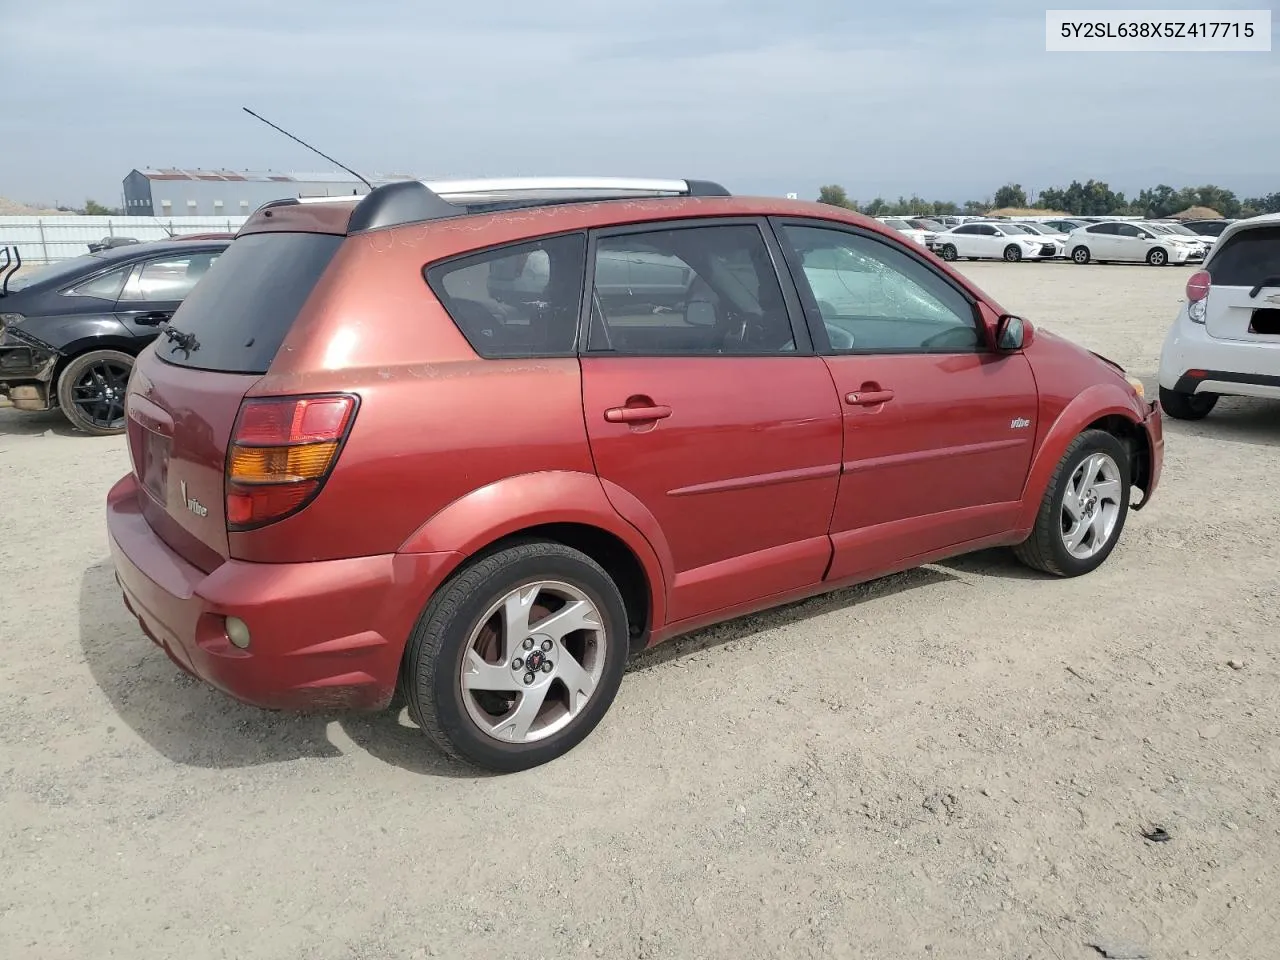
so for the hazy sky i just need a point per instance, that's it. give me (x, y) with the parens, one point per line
(947, 98)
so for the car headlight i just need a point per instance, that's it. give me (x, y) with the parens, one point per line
(1138, 388)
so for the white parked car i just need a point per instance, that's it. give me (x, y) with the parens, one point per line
(995, 240)
(1178, 230)
(906, 229)
(1226, 338)
(1130, 242)
(1045, 231)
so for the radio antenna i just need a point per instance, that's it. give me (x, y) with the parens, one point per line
(308, 146)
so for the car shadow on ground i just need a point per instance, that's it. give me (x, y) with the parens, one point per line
(791, 614)
(191, 723)
(1234, 419)
(22, 423)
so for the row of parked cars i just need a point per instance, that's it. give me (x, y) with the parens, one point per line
(1082, 240)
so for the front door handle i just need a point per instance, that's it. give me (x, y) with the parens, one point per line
(868, 398)
(645, 414)
(152, 319)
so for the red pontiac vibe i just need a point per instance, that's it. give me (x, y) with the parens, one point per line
(481, 441)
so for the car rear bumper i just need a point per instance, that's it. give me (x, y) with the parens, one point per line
(323, 635)
(1247, 368)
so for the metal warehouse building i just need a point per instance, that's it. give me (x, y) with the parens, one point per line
(229, 193)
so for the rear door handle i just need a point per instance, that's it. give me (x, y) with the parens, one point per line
(868, 398)
(637, 414)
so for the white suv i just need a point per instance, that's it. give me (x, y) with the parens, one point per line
(1226, 339)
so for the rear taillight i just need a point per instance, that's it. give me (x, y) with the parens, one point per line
(282, 451)
(1198, 285)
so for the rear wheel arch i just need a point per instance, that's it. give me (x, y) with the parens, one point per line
(564, 507)
(78, 348)
(613, 554)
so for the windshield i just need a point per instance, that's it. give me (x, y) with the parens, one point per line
(1157, 227)
(898, 224)
(1181, 230)
(927, 225)
(1033, 228)
(53, 271)
(1012, 229)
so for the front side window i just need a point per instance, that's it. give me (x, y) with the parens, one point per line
(169, 279)
(873, 298)
(521, 300)
(688, 291)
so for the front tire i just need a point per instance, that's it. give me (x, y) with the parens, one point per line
(518, 657)
(1080, 254)
(1157, 257)
(948, 252)
(1187, 406)
(1012, 253)
(1083, 510)
(91, 391)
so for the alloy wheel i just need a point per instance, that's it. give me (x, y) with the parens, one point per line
(533, 662)
(99, 393)
(1091, 506)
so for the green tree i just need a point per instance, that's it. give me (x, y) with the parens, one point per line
(1253, 206)
(834, 195)
(92, 208)
(1010, 195)
(972, 207)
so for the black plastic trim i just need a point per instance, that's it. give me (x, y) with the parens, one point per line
(706, 188)
(1187, 384)
(393, 204)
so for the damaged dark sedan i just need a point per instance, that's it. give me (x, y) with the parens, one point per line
(69, 331)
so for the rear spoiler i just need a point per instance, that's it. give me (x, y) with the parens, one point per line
(12, 264)
(419, 201)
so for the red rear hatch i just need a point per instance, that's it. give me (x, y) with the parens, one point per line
(187, 388)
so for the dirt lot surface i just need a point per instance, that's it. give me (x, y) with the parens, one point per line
(954, 762)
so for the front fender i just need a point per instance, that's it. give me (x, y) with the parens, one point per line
(1093, 403)
(504, 507)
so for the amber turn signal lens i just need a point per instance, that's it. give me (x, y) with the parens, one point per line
(281, 464)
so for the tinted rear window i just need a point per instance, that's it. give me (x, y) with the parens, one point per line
(241, 310)
(1248, 258)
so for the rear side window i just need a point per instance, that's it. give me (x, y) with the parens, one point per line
(1248, 258)
(240, 311)
(521, 300)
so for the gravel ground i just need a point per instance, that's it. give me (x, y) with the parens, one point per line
(956, 762)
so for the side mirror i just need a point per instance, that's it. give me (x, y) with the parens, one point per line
(1010, 333)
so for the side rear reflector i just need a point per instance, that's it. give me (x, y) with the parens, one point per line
(282, 450)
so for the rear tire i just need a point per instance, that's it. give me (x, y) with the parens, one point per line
(91, 391)
(478, 714)
(1080, 254)
(1101, 503)
(1187, 406)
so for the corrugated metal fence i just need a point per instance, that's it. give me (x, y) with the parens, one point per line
(46, 239)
